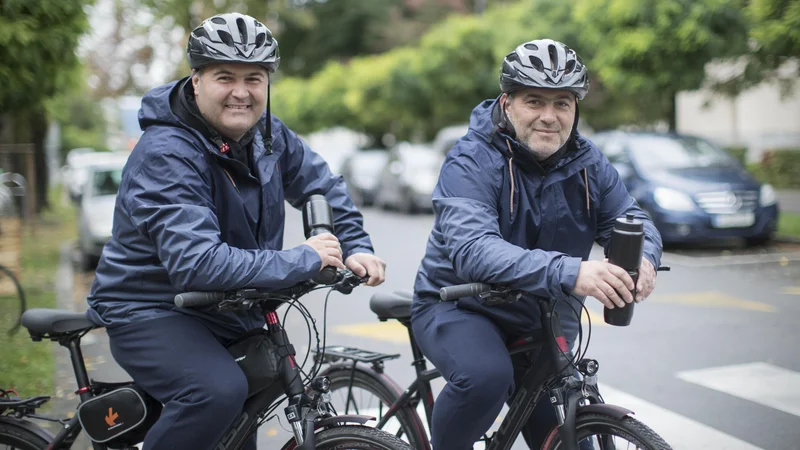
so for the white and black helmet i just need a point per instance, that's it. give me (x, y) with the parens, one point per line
(232, 38)
(544, 63)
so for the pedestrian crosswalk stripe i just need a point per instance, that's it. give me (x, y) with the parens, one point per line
(680, 432)
(791, 290)
(392, 331)
(758, 382)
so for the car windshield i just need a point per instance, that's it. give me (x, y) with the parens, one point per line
(106, 182)
(654, 152)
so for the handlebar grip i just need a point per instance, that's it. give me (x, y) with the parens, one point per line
(196, 299)
(448, 293)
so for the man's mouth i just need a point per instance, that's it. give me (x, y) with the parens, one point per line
(238, 107)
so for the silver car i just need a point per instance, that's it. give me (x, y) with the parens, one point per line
(96, 214)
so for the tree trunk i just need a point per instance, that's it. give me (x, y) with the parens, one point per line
(39, 132)
(672, 111)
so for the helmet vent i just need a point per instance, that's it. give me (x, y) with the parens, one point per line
(570, 66)
(530, 46)
(553, 51)
(225, 37)
(219, 21)
(536, 63)
(242, 30)
(260, 38)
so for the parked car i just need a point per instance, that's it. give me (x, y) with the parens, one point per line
(362, 171)
(692, 189)
(75, 172)
(408, 178)
(96, 214)
(446, 137)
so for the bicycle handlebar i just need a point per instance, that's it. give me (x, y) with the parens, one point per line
(198, 299)
(344, 282)
(449, 293)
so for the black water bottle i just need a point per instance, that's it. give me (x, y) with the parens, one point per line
(318, 219)
(625, 250)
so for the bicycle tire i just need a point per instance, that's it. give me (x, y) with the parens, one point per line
(411, 427)
(590, 424)
(359, 436)
(19, 438)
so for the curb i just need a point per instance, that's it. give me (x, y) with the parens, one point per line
(786, 239)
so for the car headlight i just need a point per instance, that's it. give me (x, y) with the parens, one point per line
(673, 200)
(767, 197)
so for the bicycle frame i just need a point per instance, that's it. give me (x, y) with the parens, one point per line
(306, 413)
(554, 376)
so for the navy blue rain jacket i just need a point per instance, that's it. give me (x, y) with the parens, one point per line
(182, 223)
(500, 218)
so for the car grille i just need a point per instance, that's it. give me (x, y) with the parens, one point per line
(727, 202)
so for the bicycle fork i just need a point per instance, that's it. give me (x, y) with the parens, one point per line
(565, 396)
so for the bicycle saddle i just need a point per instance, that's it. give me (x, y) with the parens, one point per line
(54, 321)
(391, 305)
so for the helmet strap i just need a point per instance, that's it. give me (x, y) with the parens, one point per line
(267, 135)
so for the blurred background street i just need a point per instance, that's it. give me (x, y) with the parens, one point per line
(696, 104)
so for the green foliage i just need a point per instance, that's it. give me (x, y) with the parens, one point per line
(789, 224)
(781, 168)
(653, 49)
(738, 152)
(37, 47)
(776, 27)
(81, 118)
(25, 365)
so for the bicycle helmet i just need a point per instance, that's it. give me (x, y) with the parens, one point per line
(234, 38)
(544, 63)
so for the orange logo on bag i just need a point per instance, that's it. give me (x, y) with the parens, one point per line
(111, 418)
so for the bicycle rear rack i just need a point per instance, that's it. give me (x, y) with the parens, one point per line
(336, 353)
(22, 406)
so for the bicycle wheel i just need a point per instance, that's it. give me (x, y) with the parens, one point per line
(352, 437)
(13, 437)
(373, 396)
(606, 433)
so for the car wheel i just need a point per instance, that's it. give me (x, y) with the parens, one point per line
(757, 241)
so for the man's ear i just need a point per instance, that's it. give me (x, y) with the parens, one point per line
(195, 80)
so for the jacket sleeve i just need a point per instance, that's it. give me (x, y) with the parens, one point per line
(615, 201)
(306, 174)
(170, 201)
(465, 201)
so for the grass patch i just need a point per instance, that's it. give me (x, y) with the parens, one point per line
(789, 224)
(27, 366)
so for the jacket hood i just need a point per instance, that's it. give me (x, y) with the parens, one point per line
(156, 108)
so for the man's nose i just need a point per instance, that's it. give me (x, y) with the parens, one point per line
(240, 90)
(548, 114)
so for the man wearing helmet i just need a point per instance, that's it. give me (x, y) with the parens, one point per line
(201, 208)
(520, 200)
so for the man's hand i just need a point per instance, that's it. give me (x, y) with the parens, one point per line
(327, 247)
(647, 280)
(606, 282)
(365, 263)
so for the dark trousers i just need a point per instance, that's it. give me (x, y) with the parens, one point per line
(470, 352)
(182, 364)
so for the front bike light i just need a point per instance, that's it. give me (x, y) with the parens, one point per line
(589, 367)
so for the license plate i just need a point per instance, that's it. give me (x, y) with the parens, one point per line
(736, 220)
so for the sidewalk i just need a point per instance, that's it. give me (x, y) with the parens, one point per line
(99, 361)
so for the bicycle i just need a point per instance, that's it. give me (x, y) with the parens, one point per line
(314, 421)
(580, 409)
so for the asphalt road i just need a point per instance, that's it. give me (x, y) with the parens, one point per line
(707, 362)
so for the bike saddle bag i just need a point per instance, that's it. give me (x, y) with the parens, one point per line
(119, 416)
(259, 359)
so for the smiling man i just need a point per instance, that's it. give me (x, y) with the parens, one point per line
(201, 208)
(520, 200)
